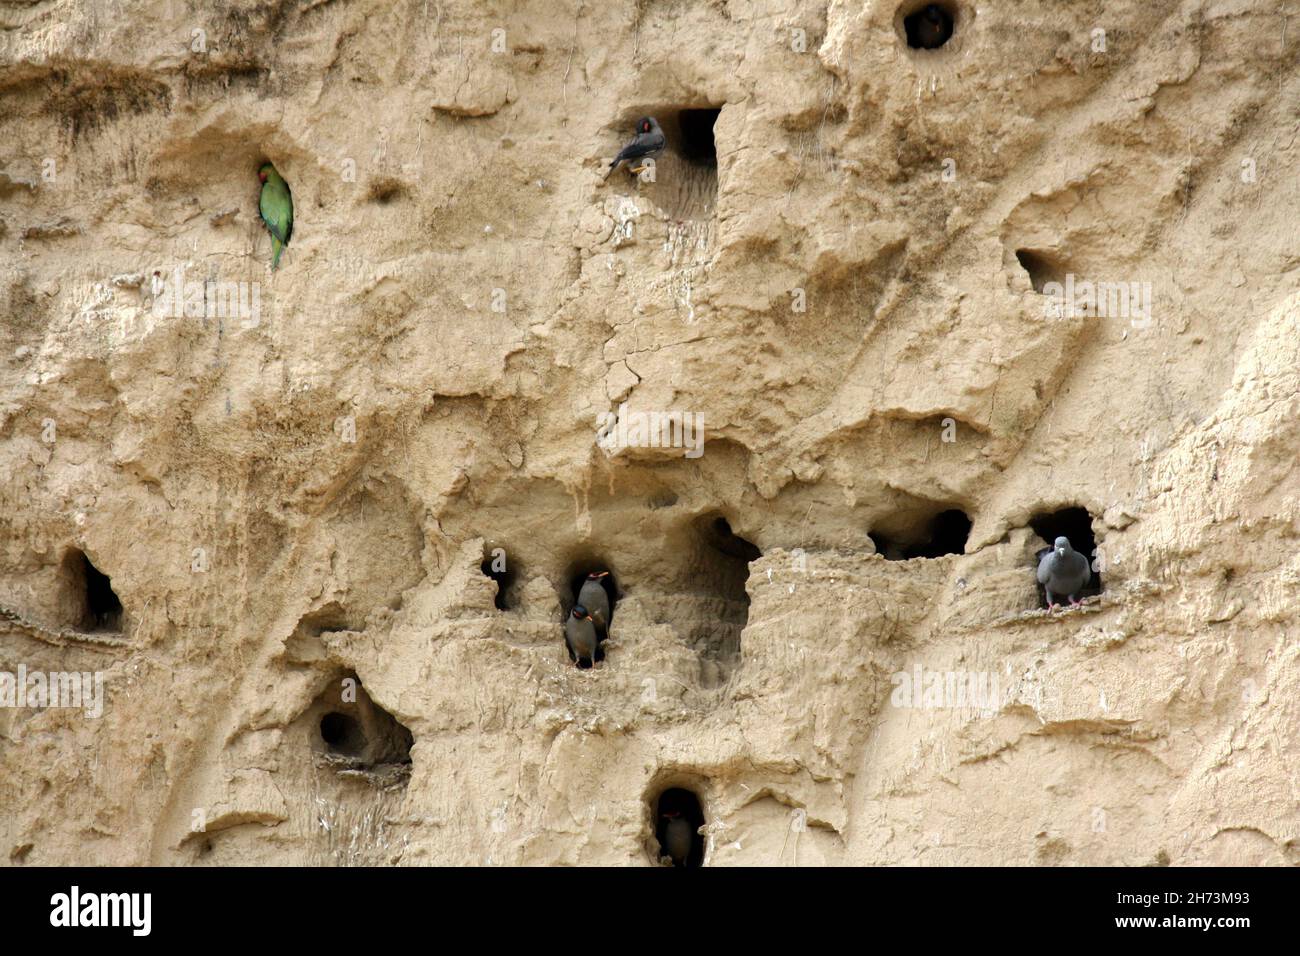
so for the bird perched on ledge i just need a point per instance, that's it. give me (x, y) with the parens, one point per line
(275, 204)
(580, 638)
(648, 143)
(596, 601)
(1063, 571)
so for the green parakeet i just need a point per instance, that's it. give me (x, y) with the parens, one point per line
(276, 206)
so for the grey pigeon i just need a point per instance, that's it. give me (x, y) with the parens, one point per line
(647, 144)
(594, 598)
(1063, 571)
(580, 637)
(678, 838)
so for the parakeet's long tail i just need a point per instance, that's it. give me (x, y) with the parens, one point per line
(277, 247)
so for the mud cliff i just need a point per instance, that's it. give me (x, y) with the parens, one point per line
(926, 309)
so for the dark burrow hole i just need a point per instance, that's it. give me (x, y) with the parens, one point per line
(945, 533)
(502, 569)
(1076, 524)
(92, 605)
(102, 606)
(930, 25)
(354, 727)
(719, 569)
(695, 131)
(678, 817)
(342, 734)
(1041, 268)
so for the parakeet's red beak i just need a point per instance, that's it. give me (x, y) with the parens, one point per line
(261, 176)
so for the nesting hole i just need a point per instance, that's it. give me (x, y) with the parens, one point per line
(685, 179)
(905, 538)
(1040, 267)
(342, 734)
(929, 26)
(693, 182)
(88, 601)
(696, 144)
(1076, 524)
(718, 571)
(355, 731)
(683, 843)
(505, 572)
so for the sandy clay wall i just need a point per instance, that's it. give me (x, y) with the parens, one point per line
(318, 542)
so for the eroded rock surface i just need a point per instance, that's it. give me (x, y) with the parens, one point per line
(847, 284)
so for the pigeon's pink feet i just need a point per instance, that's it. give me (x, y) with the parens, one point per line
(1074, 603)
(1053, 607)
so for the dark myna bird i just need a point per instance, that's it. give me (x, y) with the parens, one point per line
(596, 601)
(580, 637)
(648, 143)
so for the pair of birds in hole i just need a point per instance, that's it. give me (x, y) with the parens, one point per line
(587, 625)
(275, 201)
